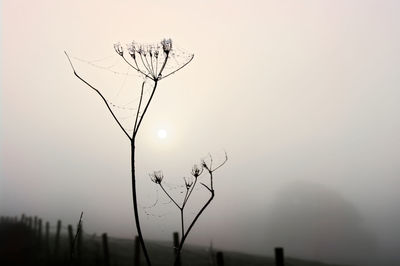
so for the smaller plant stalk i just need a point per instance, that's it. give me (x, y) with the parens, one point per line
(190, 185)
(184, 235)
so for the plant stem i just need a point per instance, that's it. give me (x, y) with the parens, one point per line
(135, 208)
(182, 225)
(178, 254)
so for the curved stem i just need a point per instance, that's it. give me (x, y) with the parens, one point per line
(135, 208)
(169, 74)
(141, 57)
(169, 196)
(137, 68)
(100, 94)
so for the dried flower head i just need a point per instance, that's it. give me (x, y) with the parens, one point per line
(167, 45)
(155, 61)
(132, 49)
(204, 164)
(156, 52)
(118, 48)
(188, 182)
(157, 177)
(196, 171)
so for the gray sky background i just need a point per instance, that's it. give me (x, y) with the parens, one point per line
(292, 90)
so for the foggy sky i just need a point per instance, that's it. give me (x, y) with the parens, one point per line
(292, 90)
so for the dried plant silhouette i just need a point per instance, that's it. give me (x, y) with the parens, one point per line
(151, 62)
(154, 63)
(190, 183)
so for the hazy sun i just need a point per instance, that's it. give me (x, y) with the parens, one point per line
(162, 133)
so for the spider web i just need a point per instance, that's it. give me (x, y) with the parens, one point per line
(121, 85)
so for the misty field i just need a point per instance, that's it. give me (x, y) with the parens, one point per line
(29, 243)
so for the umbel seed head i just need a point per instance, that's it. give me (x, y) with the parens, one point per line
(196, 171)
(188, 182)
(166, 45)
(157, 177)
(132, 49)
(118, 48)
(154, 61)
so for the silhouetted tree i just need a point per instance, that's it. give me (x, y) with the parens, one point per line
(313, 221)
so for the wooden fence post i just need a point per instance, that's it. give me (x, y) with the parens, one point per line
(136, 255)
(30, 223)
(176, 247)
(279, 256)
(23, 218)
(71, 240)
(35, 225)
(220, 258)
(57, 239)
(105, 250)
(79, 243)
(47, 239)
(39, 232)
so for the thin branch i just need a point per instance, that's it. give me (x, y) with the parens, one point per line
(145, 109)
(138, 110)
(101, 95)
(184, 199)
(162, 67)
(134, 59)
(137, 68)
(156, 66)
(150, 67)
(209, 189)
(141, 57)
(226, 159)
(190, 193)
(178, 68)
(177, 205)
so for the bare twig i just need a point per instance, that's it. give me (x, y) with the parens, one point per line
(211, 190)
(100, 94)
(138, 110)
(178, 68)
(137, 68)
(145, 109)
(169, 196)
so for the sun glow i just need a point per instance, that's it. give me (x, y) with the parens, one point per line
(162, 133)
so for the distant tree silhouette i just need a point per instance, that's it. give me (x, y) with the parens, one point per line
(313, 221)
